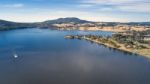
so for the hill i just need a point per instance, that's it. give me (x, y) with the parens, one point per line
(7, 25)
(67, 20)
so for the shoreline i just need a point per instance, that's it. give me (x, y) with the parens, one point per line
(121, 47)
(108, 29)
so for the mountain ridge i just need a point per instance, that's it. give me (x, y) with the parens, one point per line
(6, 25)
(67, 20)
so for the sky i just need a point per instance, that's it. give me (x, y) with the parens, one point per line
(93, 10)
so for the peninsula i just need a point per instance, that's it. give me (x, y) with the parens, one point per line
(133, 42)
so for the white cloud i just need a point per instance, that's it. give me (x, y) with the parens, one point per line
(85, 5)
(145, 7)
(106, 9)
(17, 5)
(112, 2)
(97, 10)
(120, 5)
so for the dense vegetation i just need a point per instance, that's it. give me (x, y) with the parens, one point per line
(132, 39)
(101, 39)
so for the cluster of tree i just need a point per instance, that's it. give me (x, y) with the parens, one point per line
(147, 32)
(101, 39)
(130, 40)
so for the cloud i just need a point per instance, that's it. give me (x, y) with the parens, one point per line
(143, 8)
(85, 5)
(47, 14)
(17, 5)
(39, 0)
(96, 10)
(113, 2)
(120, 5)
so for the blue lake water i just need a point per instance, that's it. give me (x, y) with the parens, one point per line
(46, 57)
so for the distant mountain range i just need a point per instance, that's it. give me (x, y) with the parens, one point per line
(7, 25)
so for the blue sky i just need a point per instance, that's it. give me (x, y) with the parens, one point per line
(96, 10)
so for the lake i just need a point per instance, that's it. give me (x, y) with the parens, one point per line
(46, 57)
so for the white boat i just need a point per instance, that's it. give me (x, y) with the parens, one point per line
(15, 56)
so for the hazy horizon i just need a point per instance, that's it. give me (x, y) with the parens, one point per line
(92, 10)
(70, 17)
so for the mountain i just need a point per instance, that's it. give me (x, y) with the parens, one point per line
(8, 25)
(67, 20)
(49, 23)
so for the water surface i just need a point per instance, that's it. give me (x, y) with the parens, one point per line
(45, 57)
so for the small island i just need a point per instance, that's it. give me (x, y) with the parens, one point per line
(131, 41)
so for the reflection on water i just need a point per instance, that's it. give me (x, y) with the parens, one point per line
(45, 57)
